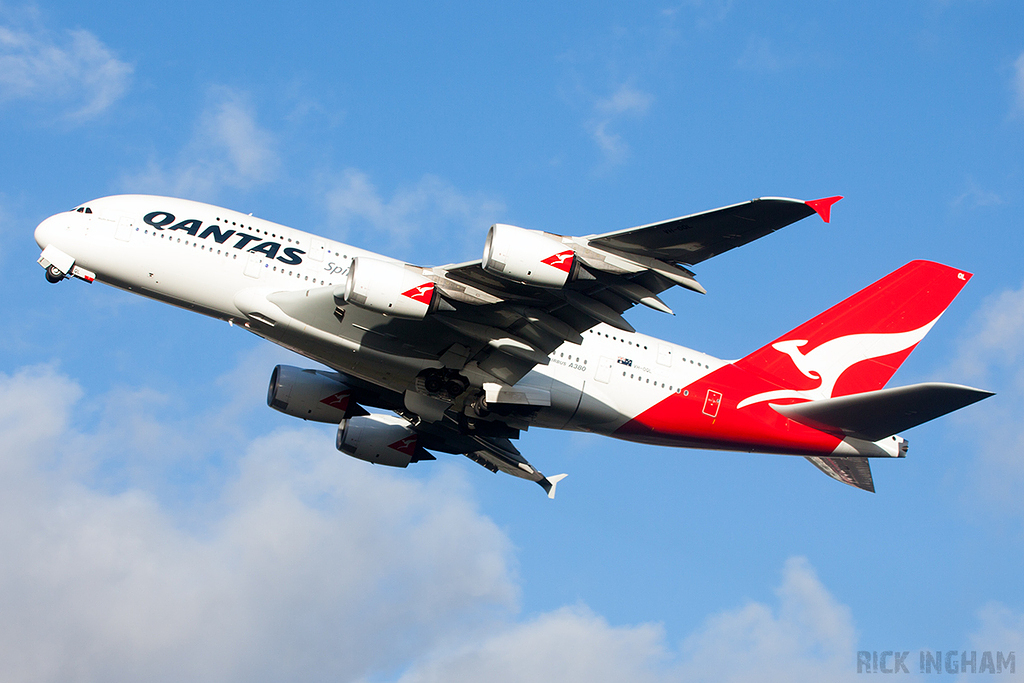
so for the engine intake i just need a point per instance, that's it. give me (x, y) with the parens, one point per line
(311, 394)
(530, 256)
(381, 439)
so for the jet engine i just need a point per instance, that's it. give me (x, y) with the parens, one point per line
(537, 258)
(381, 439)
(311, 394)
(392, 289)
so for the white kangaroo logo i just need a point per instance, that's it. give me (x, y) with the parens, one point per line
(830, 360)
(558, 260)
(420, 293)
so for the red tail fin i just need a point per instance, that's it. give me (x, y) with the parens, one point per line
(858, 344)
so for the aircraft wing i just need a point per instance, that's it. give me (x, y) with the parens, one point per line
(493, 326)
(695, 238)
(520, 323)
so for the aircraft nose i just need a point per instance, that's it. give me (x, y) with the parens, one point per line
(46, 231)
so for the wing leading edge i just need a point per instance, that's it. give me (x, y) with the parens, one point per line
(695, 238)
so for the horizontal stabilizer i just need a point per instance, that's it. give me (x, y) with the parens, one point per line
(875, 415)
(853, 471)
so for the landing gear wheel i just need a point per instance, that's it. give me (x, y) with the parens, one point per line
(454, 387)
(480, 407)
(54, 275)
(433, 382)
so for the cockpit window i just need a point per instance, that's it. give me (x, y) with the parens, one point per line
(83, 209)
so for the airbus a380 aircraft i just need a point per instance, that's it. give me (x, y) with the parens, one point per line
(466, 356)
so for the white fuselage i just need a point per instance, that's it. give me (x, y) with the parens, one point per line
(206, 258)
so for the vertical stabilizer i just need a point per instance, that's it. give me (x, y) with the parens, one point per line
(858, 344)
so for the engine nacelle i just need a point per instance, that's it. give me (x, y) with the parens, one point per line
(390, 288)
(311, 394)
(380, 439)
(529, 256)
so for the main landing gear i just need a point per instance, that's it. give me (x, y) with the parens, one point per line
(444, 382)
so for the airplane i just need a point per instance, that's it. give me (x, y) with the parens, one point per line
(464, 357)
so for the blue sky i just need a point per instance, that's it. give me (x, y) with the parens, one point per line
(159, 522)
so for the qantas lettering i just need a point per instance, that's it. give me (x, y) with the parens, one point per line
(162, 219)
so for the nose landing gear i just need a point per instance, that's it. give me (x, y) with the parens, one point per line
(54, 274)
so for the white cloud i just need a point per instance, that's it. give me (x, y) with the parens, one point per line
(975, 196)
(991, 358)
(999, 629)
(997, 339)
(808, 636)
(229, 149)
(625, 102)
(429, 213)
(570, 644)
(78, 73)
(305, 565)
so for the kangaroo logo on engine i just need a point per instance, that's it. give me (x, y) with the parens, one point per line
(561, 261)
(406, 445)
(338, 400)
(424, 293)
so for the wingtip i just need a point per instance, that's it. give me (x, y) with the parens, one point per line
(823, 207)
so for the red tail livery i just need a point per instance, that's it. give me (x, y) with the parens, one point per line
(851, 350)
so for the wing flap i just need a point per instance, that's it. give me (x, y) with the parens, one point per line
(875, 415)
(500, 454)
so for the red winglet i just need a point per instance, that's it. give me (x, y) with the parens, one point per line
(823, 207)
